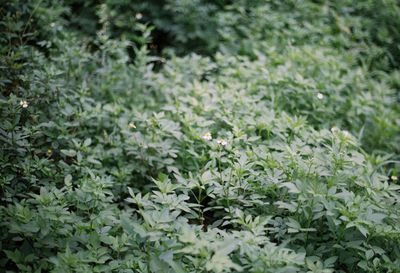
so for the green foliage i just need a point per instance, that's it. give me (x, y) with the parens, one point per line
(124, 150)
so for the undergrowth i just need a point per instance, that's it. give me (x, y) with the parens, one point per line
(199, 136)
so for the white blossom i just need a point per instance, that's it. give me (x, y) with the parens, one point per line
(132, 125)
(334, 129)
(222, 142)
(23, 103)
(207, 136)
(346, 133)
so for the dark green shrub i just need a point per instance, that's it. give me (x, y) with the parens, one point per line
(275, 151)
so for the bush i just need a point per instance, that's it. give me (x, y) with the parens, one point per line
(276, 150)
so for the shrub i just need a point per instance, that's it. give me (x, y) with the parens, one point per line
(274, 151)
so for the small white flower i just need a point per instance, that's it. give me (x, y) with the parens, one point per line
(394, 178)
(222, 142)
(53, 24)
(139, 16)
(23, 103)
(320, 96)
(207, 136)
(132, 125)
(346, 133)
(334, 129)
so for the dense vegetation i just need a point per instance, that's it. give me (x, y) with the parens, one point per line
(199, 136)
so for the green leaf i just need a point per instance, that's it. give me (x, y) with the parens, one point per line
(291, 186)
(70, 153)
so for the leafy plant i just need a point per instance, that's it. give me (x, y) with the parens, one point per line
(124, 150)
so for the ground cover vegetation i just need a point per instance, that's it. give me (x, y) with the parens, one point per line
(199, 136)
